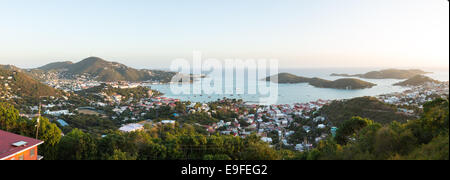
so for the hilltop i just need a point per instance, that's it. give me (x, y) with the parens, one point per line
(56, 66)
(16, 83)
(137, 92)
(417, 81)
(10, 68)
(347, 83)
(366, 107)
(106, 71)
(387, 74)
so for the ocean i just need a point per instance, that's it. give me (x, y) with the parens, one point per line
(296, 93)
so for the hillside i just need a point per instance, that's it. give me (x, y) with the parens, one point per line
(136, 93)
(102, 70)
(56, 65)
(387, 74)
(347, 83)
(286, 78)
(365, 107)
(10, 68)
(417, 81)
(20, 84)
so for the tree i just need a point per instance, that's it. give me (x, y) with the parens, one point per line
(350, 129)
(50, 134)
(255, 149)
(434, 121)
(8, 117)
(216, 157)
(180, 108)
(437, 149)
(77, 146)
(119, 155)
(385, 141)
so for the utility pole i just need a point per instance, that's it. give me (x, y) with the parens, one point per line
(38, 121)
(39, 117)
(281, 139)
(305, 141)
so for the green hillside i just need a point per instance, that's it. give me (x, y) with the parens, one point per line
(347, 83)
(286, 78)
(56, 65)
(106, 71)
(22, 85)
(365, 107)
(10, 68)
(387, 74)
(425, 138)
(417, 81)
(137, 93)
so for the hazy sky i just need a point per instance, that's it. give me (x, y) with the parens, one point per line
(301, 33)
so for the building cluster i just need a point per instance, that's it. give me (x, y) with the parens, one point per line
(416, 96)
(72, 84)
(82, 82)
(5, 87)
(278, 119)
(251, 119)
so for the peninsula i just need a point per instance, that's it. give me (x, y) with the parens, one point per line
(418, 80)
(386, 74)
(346, 83)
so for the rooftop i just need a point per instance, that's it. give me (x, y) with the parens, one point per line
(131, 127)
(11, 144)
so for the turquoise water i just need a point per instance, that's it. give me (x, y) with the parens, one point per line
(297, 93)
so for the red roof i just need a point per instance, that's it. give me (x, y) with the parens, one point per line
(7, 139)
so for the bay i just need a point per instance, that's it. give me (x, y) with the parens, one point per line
(295, 93)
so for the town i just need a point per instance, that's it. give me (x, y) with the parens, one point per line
(135, 107)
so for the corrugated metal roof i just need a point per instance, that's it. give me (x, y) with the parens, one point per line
(8, 139)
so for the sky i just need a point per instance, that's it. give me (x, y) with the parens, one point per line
(299, 33)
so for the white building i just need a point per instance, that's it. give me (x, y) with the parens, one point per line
(266, 139)
(58, 113)
(131, 127)
(168, 122)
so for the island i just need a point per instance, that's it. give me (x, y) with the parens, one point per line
(387, 74)
(345, 83)
(418, 80)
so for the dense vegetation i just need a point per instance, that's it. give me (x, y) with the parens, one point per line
(50, 133)
(426, 138)
(161, 142)
(387, 74)
(92, 124)
(357, 138)
(367, 107)
(347, 83)
(56, 65)
(417, 81)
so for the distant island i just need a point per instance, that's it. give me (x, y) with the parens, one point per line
(387, 74)
(346, 83)
(418, 80)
